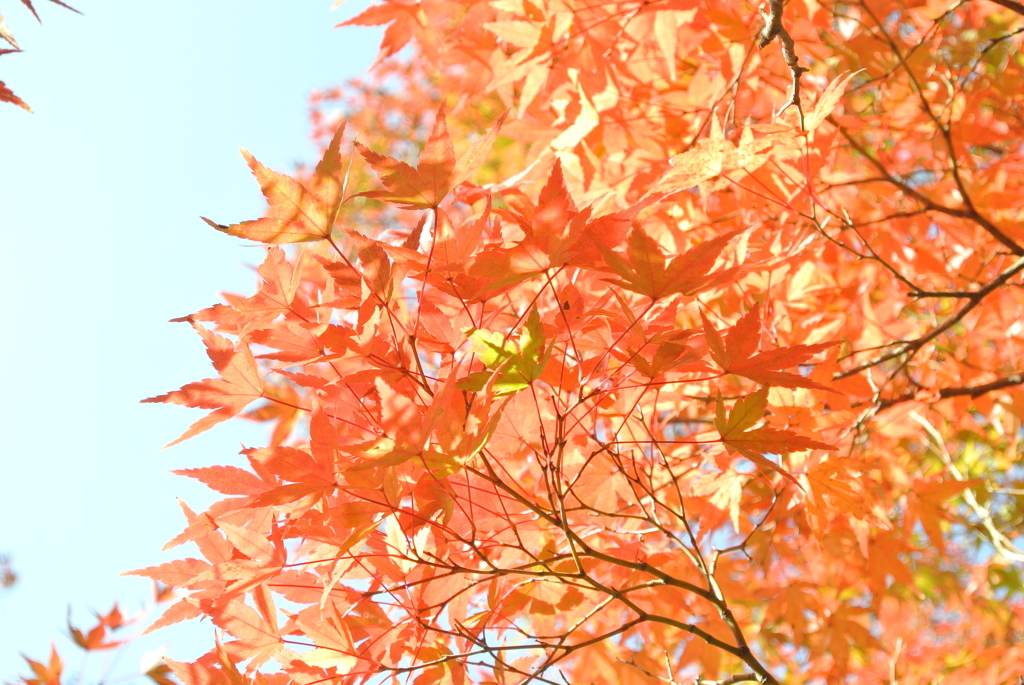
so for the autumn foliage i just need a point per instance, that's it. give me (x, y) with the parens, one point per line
(631, 342)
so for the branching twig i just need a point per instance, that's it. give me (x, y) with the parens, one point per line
(912, 346)
(773, 29)
(960, 212)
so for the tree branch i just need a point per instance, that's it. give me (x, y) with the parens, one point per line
(968, 390)
(929, 204)
(773, 29)
(913, 345)
(1011, 5)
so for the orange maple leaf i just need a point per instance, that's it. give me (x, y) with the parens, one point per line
(406, 19)
(830, 97)
(306, 476)
(46, 674)
(276, 296)
(180, 573)
(647, 272)
(229, 480)
(228, 395)
(437, 172)
(297, 213)
(334, 646)
(96, 637)
(714, 156)
(753, 443)
(553, 229)
(257, 633)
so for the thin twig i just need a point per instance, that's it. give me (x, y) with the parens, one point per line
(773, 29)
(912, 346)
(967, 390)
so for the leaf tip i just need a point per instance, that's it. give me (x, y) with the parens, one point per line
(219, 227)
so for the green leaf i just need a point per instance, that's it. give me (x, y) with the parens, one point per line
(514, 365)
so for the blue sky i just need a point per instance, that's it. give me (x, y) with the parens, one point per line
(140, 108)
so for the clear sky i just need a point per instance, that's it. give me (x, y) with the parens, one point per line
(140, 108)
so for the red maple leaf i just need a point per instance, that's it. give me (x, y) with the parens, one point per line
(28, 3)
(7, 95)
(736, 353)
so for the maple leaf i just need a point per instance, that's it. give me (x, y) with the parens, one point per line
(178, 573)
(753, 443)
(736, 354)
(827, 102)
(276, 296)
(297, 213)
(927, 506)
(158, 673)
(258, 637)
(712, 157)
(829, 480)
(452, 250)
(228, 395)
(670, 353)
(7, 95)
(229, 480)
(176, 613)
(334, 645)
(28, 3)
(437, 171)
(6, 34)
(405, 19)
(724, 491)
(205, 674)
(202, 530)
(243, 561)
(46, 674)
(94, 639)
(553, 232)
(512, 366)
(646, 272)
(556, 233)
(306, 476)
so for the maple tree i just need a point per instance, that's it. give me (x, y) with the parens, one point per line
(688, 348)
(6, 94)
